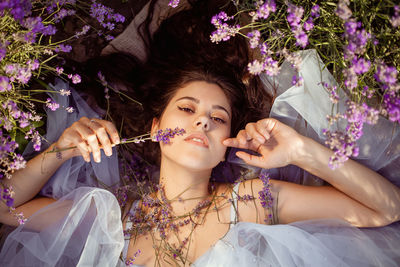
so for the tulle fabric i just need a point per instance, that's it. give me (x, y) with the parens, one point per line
(83, 228)
(310, 243)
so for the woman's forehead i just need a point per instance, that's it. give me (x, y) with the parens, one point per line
(200, 91)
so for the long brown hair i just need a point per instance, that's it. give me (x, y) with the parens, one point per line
(180, 51)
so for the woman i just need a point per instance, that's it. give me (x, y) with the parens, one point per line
(207, 101)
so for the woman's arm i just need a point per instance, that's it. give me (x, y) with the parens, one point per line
(359, 195)
(89, 136)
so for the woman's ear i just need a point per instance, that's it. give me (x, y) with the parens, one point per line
(154, 127)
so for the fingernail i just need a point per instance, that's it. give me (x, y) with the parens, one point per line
(260, 139)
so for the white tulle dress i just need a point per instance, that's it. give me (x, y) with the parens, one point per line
(84, 228)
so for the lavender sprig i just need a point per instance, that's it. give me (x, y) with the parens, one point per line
(265, 195)
(163, 136)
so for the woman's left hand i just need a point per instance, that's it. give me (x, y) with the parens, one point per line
(275, 142)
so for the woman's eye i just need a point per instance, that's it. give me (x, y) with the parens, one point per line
(186, 109)
(219, 120)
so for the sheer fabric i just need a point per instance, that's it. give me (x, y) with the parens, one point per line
(309, 243)
(83, 228)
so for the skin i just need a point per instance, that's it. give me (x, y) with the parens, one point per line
(186, 166)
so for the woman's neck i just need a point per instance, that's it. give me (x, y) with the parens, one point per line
(184, 187)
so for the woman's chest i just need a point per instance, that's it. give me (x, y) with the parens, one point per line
(181, 245)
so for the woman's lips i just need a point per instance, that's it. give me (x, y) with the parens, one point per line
(197, 139)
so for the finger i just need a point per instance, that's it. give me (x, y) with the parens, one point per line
(84, 150)
(82, 147)
(90, 137)
(261, 127)
(231, 142)
(110, 129)
(102, 136)
(243, 138)
(267, 125)
(249, 159)
(252, 131)
(240, 141)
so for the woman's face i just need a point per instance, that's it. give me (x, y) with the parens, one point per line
(203, 111)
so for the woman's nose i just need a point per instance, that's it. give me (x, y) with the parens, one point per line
(202, 122)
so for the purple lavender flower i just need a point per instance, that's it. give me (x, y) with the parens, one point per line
(361, 65)
(385, 74)
(271, 66)
(315, 11)
(34, 24)
(295, 14)
(342, 10)
(333, 95)
(342, 145)
(395, 20)
(84, 30)
(224, 31)
(63, 48)
(24, 120)
(64, 92)
(255, 67)
(351, 26)
(166, 135)
(254, 38)
(5, 84)
(130, 261)
(18, 163)
(105, 15)
(59, 70)
(102, 79)
(351, 78)
(62, 14)
(37, 141)
(265, 195)
(52, 105)
(309, 24)
(109, 37)
(33, 64)
(297, 80)
(18, 8)
(74, 78)
(17, 72)
(7, 196)
(301, 37)
(263, 11)
(49, 30)
(119, 18)
(173, 3)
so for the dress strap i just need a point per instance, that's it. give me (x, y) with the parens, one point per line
(234, 217)
(128, 225)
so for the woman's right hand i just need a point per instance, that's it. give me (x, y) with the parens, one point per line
(88, 136)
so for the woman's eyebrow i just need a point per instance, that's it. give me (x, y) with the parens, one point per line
(197, 101)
